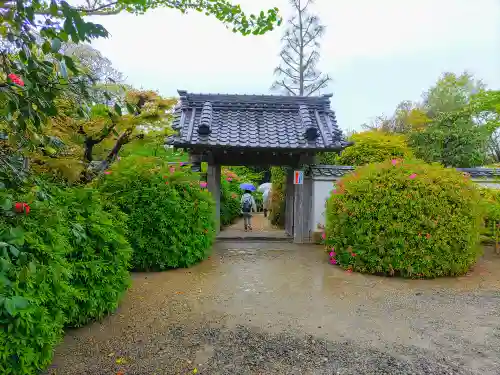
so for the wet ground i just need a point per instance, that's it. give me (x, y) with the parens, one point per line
(261, 230)
(279, 308)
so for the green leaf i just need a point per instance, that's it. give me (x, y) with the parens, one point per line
(56, 45)
(17, 236)
(63, 70)
(53, 8)
(71, 64)
(7, 204)
(15, 304)
(14, 251)
(118, 109)
(46, 47)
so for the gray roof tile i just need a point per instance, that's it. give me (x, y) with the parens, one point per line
(255, 121)
(323, 170)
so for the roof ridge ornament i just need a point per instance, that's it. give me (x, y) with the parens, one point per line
(205, 119)
(310, 131)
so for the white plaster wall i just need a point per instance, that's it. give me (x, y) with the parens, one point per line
(321, 191)
(322, 188)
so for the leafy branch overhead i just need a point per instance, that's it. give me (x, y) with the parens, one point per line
(298, 74)
(33, 32)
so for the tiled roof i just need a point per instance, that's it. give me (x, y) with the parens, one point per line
(323, 170)
(256, 121)
(481, 172)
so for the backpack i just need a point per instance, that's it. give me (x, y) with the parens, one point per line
(246, 206)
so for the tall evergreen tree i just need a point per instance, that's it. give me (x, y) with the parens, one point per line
(297, 73)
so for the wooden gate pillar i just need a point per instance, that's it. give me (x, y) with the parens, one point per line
(303, 204)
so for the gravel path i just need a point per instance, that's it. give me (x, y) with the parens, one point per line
(282, 309)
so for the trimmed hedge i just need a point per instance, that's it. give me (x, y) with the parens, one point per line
(170, 217)
(373, 147)
(99, 257)
(63, 262)
(404, 218)
(491, 201)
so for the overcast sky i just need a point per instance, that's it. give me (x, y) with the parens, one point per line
(378, 52)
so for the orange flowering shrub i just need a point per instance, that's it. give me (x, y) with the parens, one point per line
(404, 218)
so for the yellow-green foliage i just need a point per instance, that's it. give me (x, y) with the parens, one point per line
(278, 179)
(491, 201)
(374, 146)
(405, 218)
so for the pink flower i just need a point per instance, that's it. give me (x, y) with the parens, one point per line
(333, 261)
(323, 235)
(349, 271)
(353, 254)
(172, 169)
(107, 172)
(394, 161)
(332, 253)
(203, 184)
(229, 179)
(334, 191)
(412, 176)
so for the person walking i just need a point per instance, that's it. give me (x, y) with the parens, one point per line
(247, 206)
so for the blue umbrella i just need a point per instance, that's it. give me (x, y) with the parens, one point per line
(247, 186)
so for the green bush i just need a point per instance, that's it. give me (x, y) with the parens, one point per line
(34, 285)
(491, 202)
(278, 191)
(230, 197)
(372, 147)
(99, 257)
(170, 217)
(405, 218)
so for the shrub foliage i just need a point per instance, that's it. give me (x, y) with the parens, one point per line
(64, 261)
(373, 147)
(170, 217)
(99, 256)
(34, 285)
(230, 197)
(405, 218)
(278, 179)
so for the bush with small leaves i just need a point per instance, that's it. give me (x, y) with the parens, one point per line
(100, 254)
(230, 197)
(404, 218)
(170, 213)
(373, 147)
(34, 283)
(278, 179)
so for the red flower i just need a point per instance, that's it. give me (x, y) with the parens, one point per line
(107, 172)
(353, 254)
(16, 79)
(166, 182)
(20, 207)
